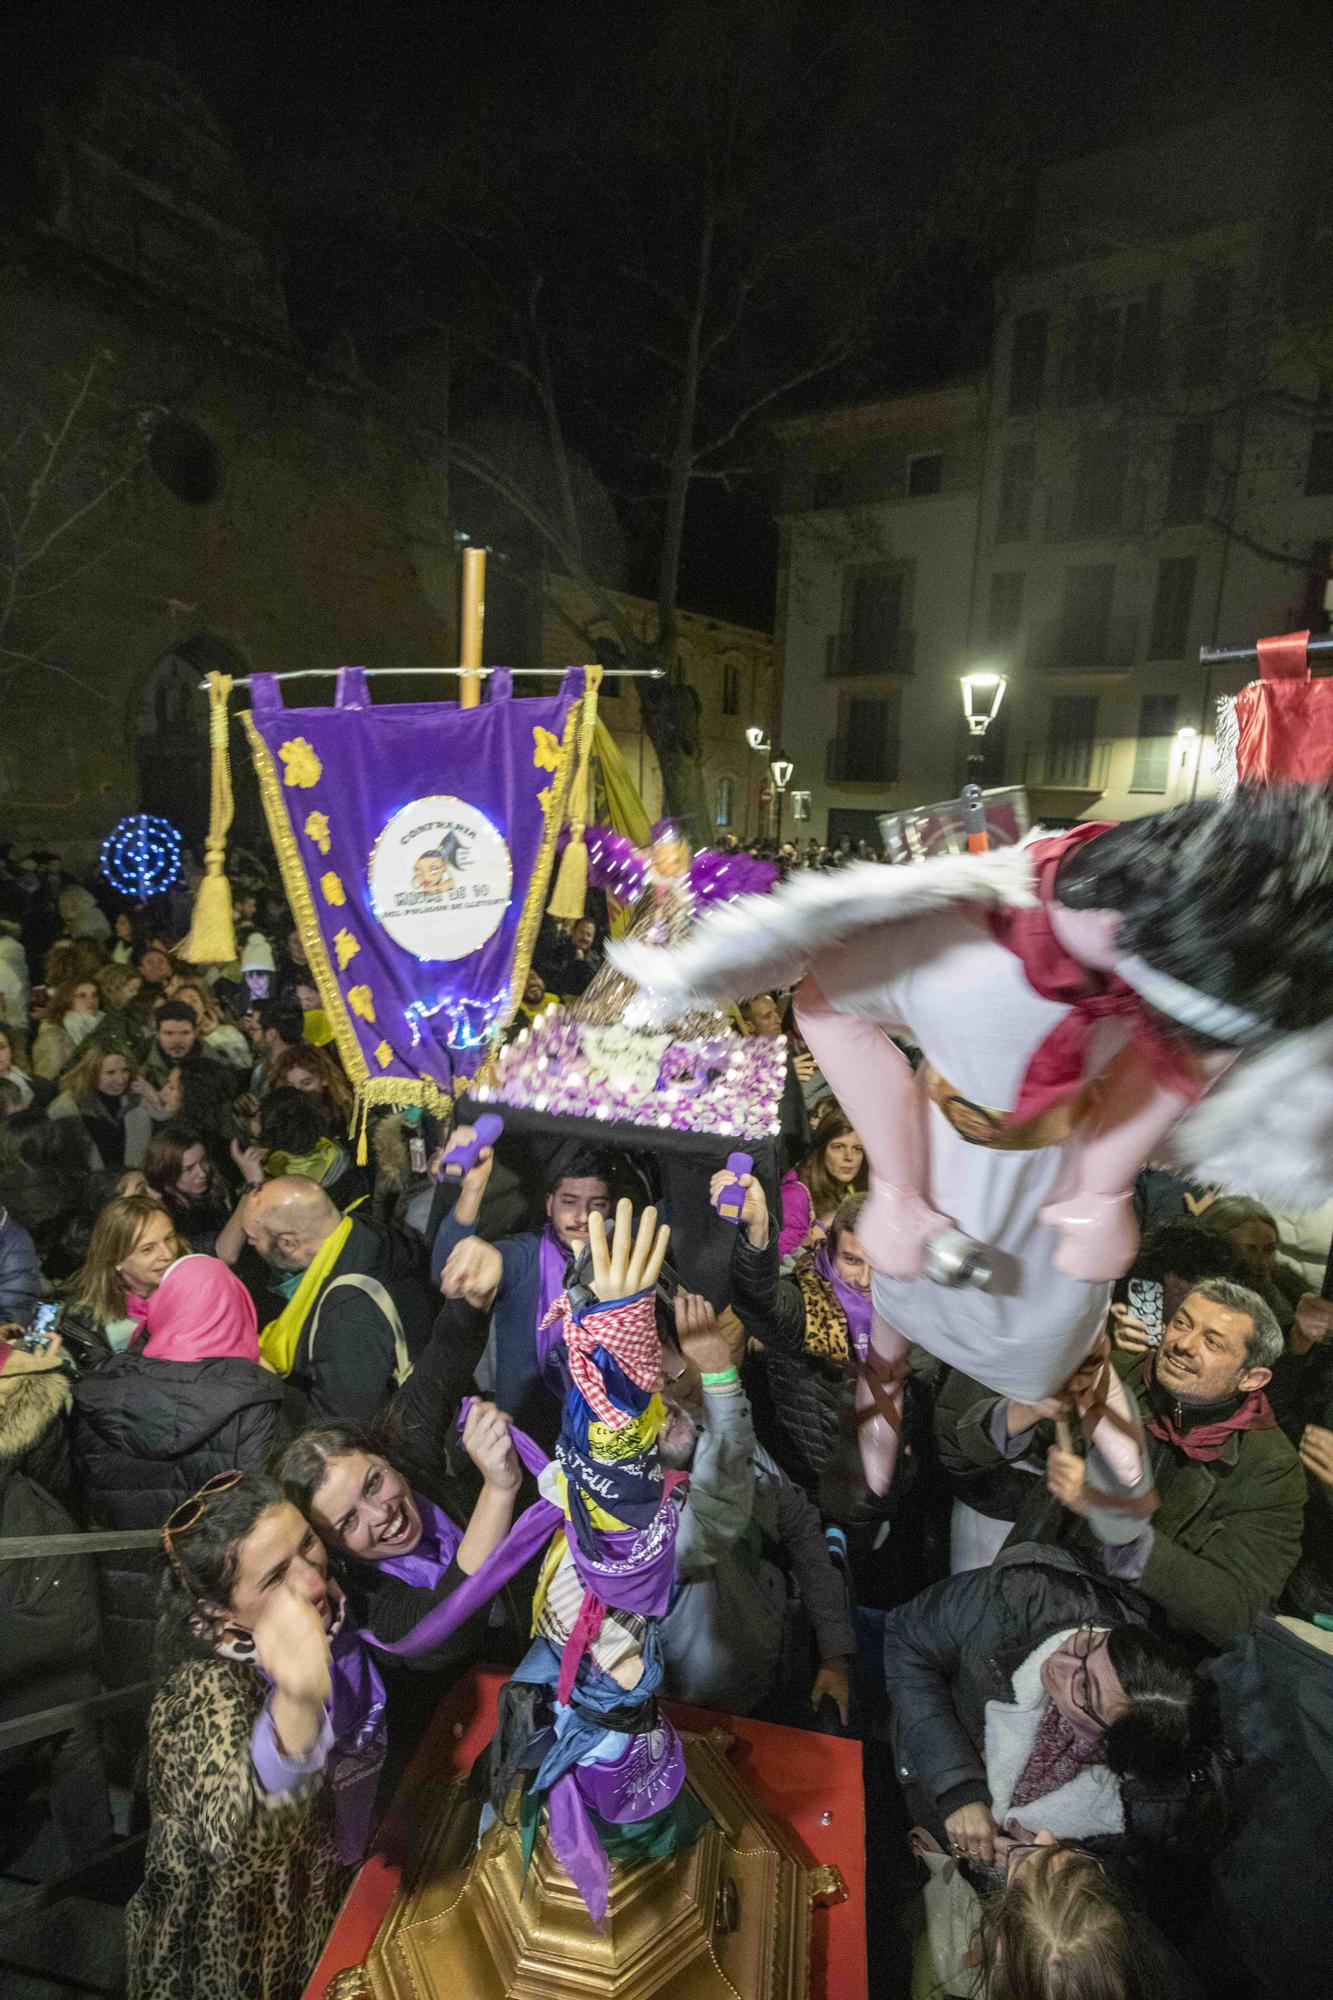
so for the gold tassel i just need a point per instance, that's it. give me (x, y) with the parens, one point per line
(571, 887)
(212, 939)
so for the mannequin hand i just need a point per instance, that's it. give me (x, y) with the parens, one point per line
(472, 1273)
(699, 1335)
(632, 1262)
(971, 1832)
(1099, 1236)
(895, 1227)
(487, 1443)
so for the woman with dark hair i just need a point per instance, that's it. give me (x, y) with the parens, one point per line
(320, 1076)
(833, 1169)
(403, 1552)
(31, 1090)
(245, 1866)
(97, 1091)
(1026, 1696)
(177, 1167)
(294, 1135)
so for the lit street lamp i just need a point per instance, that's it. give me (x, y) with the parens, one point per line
(780, 771)
(982, 695)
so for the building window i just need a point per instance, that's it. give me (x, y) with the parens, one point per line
(1187, 484)
(1027, 362)
(731, 689)
(1085, 616)
(1206, 335)
(1018, 478)
(1112, 348)
(865, 749)
(874, 638)
(1099, 484)
(1152, 753)
(1070, 738)
(1171, 608)
(725, 788)
(1319, 472)
(1005, 614)
(925, 474)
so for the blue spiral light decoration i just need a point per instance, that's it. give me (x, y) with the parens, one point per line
(141, 856)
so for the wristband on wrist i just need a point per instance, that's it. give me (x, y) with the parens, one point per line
(720, 1379)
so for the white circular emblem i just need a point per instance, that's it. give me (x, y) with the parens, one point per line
(440, 878)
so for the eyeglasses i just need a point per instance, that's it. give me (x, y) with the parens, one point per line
(192, 1511)
(1086, 1642)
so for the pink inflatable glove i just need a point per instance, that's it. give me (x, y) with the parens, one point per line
(879, 1404)
(865, 1069)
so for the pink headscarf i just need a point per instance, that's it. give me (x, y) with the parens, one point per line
(201, 1312)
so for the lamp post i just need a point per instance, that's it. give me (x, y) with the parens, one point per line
(982, 695)
(780, 771)
(761, 746)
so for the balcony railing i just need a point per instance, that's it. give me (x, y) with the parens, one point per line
(847, 654)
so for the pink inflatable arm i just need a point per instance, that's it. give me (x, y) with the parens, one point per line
(1132, 1116)
(868, 1072)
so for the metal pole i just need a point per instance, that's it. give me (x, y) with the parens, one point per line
(474, 618)
(403, 673)
(1319, 644)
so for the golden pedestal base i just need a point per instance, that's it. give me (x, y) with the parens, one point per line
(729, 1920)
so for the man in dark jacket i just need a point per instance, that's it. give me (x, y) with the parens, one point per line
(517, 1279)
(358, 1308)
(147, 1434)
(1227, 1532)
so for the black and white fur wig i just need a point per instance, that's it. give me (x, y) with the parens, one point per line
(1232, 899)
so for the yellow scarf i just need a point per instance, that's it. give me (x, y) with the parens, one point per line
(311, 1166)
(277, 1343)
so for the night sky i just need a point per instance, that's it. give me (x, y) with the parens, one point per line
(430, 172)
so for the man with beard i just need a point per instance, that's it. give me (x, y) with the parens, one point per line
(1227, 1532)
(750, 1553)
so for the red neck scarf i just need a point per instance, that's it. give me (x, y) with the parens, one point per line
(1203, 1442)
(1059, 1067)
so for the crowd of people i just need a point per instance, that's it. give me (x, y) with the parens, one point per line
(306, 1374)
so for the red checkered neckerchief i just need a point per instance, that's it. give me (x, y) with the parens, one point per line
(628, 1332)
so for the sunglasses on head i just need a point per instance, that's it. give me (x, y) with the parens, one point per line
(192, 1511)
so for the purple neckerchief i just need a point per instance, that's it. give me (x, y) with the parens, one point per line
(855, 1305)
(530, 1533)
(643, 1780)
(631, 1569)
(424, 1565)
(552, 1261)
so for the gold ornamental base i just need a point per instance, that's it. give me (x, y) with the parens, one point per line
(728, 1920)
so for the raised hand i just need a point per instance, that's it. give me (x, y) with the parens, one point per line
(1316, 1449)
(472, 1273)
(251, 1163)
(1128, 1332)
(487, 1442)
(1067, 1479)
(971, 1831)
(754, 1214)
(699, 1335)
(632, 1262)
(293, 1647)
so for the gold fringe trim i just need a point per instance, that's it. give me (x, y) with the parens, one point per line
(212, 939)
(403, 1090)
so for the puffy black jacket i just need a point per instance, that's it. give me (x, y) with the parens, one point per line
(48, 1606)
(146, 1434)
(958, 1645)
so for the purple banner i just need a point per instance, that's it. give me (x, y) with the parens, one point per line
(415, 841)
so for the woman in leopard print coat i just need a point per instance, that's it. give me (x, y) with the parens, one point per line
(242, 1879)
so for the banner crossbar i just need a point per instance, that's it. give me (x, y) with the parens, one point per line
(453, 673)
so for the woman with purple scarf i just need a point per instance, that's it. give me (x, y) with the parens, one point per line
(403, 1553)
(265, 1741)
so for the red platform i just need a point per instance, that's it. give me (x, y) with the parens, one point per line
(797, 1775)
